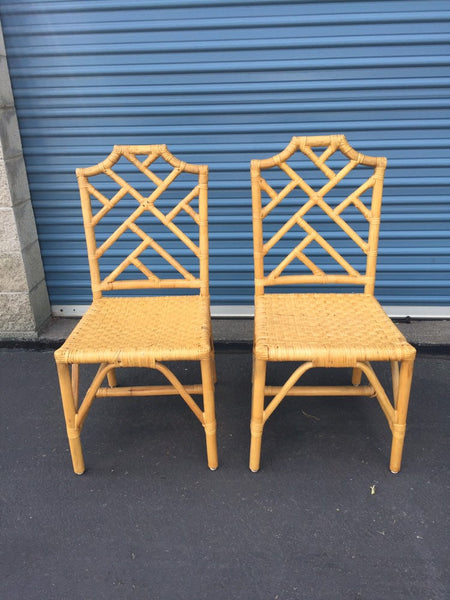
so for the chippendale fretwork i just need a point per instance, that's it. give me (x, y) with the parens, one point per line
(144, 204)
(327, 329)
(317, 198)
(141, 330)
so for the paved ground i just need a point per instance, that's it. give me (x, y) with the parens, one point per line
(148, 520)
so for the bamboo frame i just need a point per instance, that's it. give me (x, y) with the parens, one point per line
(322, 329)
(136, 332)
(316, 198)
(91, 221)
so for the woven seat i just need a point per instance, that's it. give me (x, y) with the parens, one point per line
(322, 329)
(151, 329)
(151, 227)
(294, 327)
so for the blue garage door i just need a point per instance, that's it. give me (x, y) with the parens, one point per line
(221, 83)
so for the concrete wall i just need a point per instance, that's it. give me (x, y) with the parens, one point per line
(24, 304)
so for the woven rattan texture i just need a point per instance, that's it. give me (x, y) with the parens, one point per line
(328, 329)
(324, 330)
(139, 331)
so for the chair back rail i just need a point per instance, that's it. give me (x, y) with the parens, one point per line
(145, 204)
(316, 198)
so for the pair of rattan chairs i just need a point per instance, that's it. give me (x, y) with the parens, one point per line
(141, 216)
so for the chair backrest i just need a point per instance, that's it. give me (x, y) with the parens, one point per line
(121, 226)
(313, 201)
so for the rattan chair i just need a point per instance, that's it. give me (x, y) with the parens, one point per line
(122, 328)
(323, 329)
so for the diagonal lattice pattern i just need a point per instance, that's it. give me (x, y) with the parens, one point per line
(317, 198)
(324, 329)
(146, 205)
(127, 331)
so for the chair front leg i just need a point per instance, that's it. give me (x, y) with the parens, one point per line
(257, 418)
(400, 414)
(209, 415)
(395, 375)
(73, 432)
(75, 384)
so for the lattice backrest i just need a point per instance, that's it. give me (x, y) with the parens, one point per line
(133, 220)
(323, 204)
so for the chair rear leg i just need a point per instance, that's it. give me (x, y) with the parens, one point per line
(257, 418)
(399, 425)
(213, 362)
(73, 432)
(356, 376)
(209, 414)
(112, 378)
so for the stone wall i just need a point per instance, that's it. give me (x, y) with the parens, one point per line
(24, 304)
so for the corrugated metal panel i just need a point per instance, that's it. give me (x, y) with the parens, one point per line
(224, 82)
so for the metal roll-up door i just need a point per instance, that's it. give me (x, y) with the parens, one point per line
(221, 83)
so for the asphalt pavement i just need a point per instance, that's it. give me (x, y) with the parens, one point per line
(323, 519)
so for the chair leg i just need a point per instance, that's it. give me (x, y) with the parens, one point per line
(209, 415)
(75, 384)
(213, 362)
(401, 411)
(257, 419)
(112, 378)
(73, 432)
(356, 376)
(395, 375)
